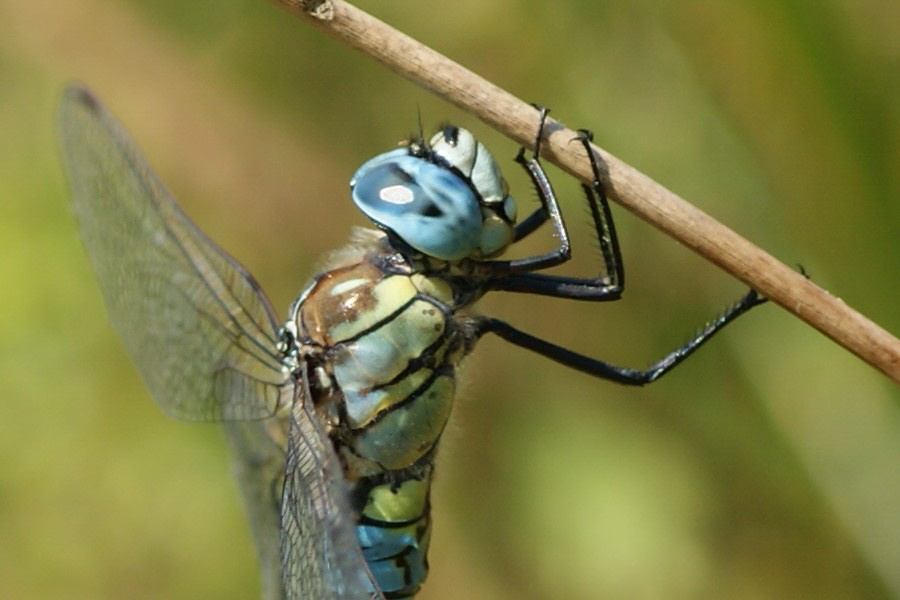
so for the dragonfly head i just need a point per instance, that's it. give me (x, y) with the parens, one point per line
(445, 198)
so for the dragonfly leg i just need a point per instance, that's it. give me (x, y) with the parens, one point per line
(602, 217)
(518, 275)
(548, 210)
(604, 370)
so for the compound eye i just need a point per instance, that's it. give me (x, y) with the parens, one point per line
(427, 206)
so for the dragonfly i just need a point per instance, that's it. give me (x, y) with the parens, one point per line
(334, 414)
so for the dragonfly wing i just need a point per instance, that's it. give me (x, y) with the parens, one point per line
(316, 516)
(194, 321)
(259, 451)
(204, 338)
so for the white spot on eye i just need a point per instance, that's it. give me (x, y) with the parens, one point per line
(396, 194)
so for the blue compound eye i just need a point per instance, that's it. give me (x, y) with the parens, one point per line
(427, 206)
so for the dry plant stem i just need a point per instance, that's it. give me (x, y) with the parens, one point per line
(630, 188)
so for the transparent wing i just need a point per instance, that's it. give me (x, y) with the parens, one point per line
(298, 509)
(259, 462)
(203, 336)
(315, 522)
(195, 323)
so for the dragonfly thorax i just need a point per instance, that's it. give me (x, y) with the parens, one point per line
(446, 199)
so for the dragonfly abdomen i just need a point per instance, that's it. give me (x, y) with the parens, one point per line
(384, 343)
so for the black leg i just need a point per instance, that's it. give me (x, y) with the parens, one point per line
(541, 214)
(531, 223)
(605, 370)
(549, 210)
(602, 216)
(519, 276)
(516, 276)
(572, 288)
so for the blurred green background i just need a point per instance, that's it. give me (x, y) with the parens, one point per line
(767, 466)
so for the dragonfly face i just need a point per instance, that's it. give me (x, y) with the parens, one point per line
(335, 416)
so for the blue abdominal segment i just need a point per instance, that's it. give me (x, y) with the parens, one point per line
(395, 536)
